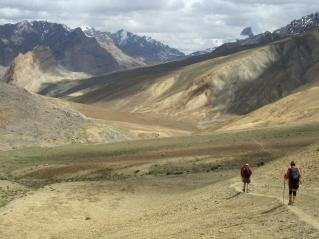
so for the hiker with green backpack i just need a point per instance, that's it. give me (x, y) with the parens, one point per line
(293, 176)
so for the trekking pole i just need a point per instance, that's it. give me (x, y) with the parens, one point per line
(283, 193)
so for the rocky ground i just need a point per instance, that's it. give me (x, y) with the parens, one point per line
(160, 189)
(27, 120)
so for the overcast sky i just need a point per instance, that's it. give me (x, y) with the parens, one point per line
(187, 25)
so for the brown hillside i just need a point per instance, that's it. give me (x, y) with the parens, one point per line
(211, 91)
(37, 67)
(30, 120)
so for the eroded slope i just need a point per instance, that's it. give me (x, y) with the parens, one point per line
(36, 68)
(210, 91)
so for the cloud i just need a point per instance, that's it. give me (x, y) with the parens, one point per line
(188, 25)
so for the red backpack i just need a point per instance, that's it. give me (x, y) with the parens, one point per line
(247, 172)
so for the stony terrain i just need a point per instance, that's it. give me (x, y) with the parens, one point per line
(172, 188)
(155, 152)
(30, 120)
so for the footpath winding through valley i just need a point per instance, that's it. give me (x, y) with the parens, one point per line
(294, 209)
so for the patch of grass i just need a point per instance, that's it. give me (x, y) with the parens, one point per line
(78, 151)
(8, 194)
(26, 160)
(231, 163)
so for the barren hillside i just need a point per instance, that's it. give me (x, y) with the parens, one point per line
(29, 120)
(35, 69)
(298, 108)
(125, 61)
(212, 91)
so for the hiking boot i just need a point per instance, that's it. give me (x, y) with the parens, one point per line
(290, 203)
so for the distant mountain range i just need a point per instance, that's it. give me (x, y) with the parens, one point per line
(93, 52)
(210, 91)
(71, 48)
(304, 24)
(203, 52)
(96, 52)
(298, 26)
(145, 48)
(204, 90)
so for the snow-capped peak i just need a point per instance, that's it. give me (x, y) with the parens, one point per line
(151, 40)
(92, 32)
(66, 28)
(24, 26)
(89, 31)
(301, 25)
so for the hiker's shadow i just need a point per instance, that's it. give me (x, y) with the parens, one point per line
(272, 209)
(233, 196)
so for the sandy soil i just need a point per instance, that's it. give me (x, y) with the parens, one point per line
(142, 204)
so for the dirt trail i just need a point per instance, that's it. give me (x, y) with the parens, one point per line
(297, 211)
(152, 202)
(153, 208)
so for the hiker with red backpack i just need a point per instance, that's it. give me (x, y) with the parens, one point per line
(245, 173)
(293, 176)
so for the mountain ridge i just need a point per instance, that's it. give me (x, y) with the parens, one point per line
(74, 50)
(304, 24)
(212, 90)
(71, 48)
(146, 48)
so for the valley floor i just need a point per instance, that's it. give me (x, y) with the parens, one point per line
(185, 187)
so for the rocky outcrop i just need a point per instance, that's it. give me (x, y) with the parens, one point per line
(35, 69)
(247, 31)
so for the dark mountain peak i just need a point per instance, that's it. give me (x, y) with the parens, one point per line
(39, 27)
(247, 31)
(78, 32)
(23, 27)
(71, 48)
(150, 50)
(121, 37)
(92, 32)
(45, 25)
(145, 47)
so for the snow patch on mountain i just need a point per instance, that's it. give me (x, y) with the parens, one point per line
(23, 27)
(139, 47)
(300, 25)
